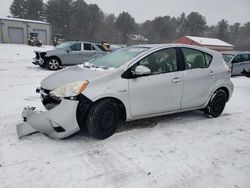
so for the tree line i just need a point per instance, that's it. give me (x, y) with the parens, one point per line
(77, 20)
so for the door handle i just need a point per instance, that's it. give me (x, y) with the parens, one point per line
(176, 80)
(211, 73)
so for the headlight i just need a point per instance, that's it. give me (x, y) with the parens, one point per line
(69, 90)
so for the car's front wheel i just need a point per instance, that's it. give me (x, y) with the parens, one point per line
(53, 63)
(103, 119)
(217, 104)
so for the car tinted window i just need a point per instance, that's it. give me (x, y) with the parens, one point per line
(87, 46)
(76, 47)
(162, 61)
(245, 57)
(237, 59)
(228, 57)
(196, 59)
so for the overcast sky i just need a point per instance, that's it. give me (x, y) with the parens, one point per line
(141, 10)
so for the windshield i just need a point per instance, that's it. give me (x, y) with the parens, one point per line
(63, 45)
(117, 58)
(228, 57)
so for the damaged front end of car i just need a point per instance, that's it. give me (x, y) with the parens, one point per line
(56, 123)
(61, 120)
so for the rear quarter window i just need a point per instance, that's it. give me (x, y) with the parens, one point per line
(208, 59)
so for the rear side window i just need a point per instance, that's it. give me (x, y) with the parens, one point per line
(196, 59)
(245, 57)
(88, 46)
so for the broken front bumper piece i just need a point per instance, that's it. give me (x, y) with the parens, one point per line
(60, 122)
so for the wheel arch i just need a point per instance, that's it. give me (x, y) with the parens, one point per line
(54, 56)
(226, 90)
(122, 108)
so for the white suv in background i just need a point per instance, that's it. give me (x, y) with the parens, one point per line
(131, 83)
(237, 61)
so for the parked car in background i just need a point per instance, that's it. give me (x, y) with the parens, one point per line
(68, 53)
(237, 61)
(58, 39)
(130, 83)
(34, 40)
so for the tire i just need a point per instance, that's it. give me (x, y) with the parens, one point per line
(53, 63)
(103, 119)
(217, 104)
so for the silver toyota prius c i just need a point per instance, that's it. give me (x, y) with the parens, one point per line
(131, 83)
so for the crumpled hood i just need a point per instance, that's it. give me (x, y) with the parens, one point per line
(72, 74)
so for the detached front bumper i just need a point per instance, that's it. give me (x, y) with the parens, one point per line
(39, 61)
(60, 122)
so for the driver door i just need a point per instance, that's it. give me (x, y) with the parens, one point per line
(74, 54)
(160, 91)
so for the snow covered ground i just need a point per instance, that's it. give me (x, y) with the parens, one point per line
(181, 150)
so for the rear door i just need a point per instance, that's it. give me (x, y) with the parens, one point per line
(199, 78)
(89, 52)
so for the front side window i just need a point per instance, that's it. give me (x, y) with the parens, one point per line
(76, 47)
(162, 61)
(195, 59)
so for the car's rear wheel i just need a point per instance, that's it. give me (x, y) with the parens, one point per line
(217, 104)
(103, 119)
(53, 63)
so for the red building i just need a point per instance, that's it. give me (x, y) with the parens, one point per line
(211, 43)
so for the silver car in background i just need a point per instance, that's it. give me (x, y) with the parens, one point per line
(68, 53)
(237, 61)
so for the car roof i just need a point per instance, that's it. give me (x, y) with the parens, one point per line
(235, 52)
(156, 46)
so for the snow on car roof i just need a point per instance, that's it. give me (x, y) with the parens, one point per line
(23, 20)
(209, 41)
